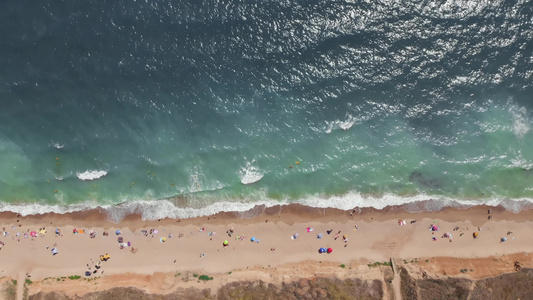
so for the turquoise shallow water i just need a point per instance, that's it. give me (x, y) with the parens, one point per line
(187, 109)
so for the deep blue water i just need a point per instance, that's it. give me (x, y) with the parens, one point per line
(192, 107)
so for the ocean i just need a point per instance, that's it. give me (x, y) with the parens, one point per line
(187, 108)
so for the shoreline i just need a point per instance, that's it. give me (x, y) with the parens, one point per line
(299, 211)
(179, 208)
(195, 245)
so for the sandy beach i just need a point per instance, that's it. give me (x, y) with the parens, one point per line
(280, 244)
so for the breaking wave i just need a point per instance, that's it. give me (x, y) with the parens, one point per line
(91, 174)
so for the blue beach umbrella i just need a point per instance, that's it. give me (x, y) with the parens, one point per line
(319, 236)
(322, 250)
(253, 239)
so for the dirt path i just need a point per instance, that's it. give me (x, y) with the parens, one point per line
(396, 287)
(20, 286)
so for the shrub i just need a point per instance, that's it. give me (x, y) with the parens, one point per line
(205, 278)
(377, 264)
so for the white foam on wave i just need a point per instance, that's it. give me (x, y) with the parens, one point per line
(160, 209)
(250, 174)
(198, 182)
(58, 145)
(520, 162)
(415, 203)
(521, 123)
(39, 209)
(91, 174)
(341, 124)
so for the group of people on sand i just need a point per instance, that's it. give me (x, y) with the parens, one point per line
(97, 266)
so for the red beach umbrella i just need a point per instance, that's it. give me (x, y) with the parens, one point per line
(330, 250)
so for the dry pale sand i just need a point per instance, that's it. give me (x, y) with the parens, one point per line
(195, 246)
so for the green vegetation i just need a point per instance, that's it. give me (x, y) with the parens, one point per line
(10, 291)
(194, 275)
(464, 270)
(377, 264)
(205, 278)
(342, 266)
(92, 278)
(74, 277)
(28, 281)
(14, 281)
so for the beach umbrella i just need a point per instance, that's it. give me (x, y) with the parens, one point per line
(295, 236)
(54, 251)
(476, 234)
(322, 250)
(118, 232)
(226, 242)
(330, 250)
(253, 239)
(87, 273)
(163, 239)
(33, 233)
(319, 236)
(504, 239)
